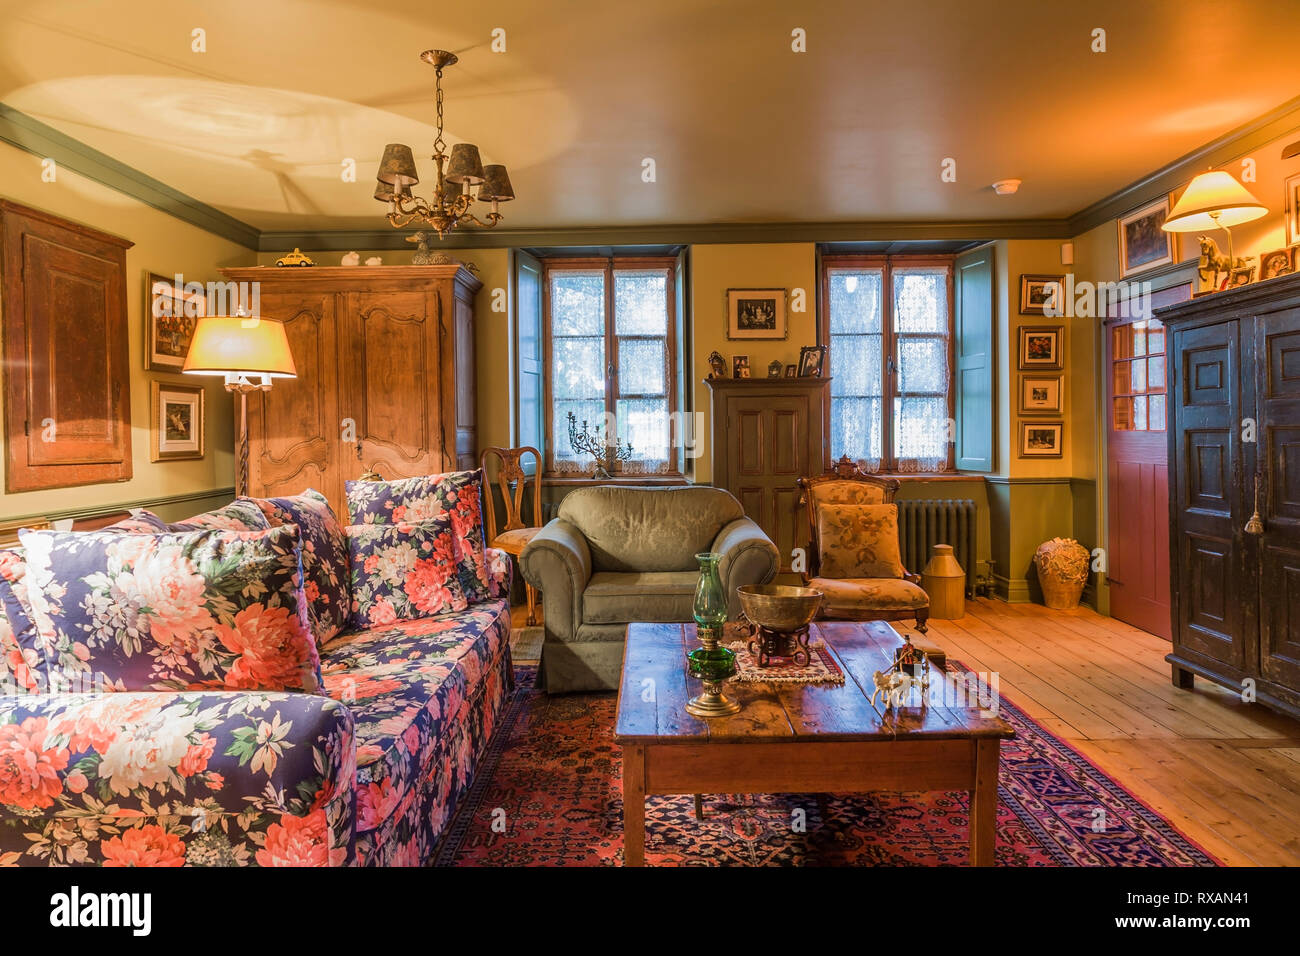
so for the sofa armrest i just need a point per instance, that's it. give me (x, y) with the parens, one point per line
(748, 556)
(558, 563)
(167, 778)
(500, 572)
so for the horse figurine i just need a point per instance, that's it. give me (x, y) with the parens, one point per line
(895, 685)
(1214, 263)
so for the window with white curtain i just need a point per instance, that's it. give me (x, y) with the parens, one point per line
(888, 324)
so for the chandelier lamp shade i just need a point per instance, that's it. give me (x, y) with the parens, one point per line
(461, 179)
(1214, 200)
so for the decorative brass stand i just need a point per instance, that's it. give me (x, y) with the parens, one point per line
(713, 665)
(766, 643)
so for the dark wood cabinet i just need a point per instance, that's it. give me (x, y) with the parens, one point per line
(385, 358)
(67, 378)
(767, 434)
(1234, 449)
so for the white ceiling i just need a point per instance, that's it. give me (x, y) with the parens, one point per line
(741, 128)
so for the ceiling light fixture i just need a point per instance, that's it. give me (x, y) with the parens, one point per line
(453, 192)
(1006, 187)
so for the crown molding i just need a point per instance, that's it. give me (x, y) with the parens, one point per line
(30, 134)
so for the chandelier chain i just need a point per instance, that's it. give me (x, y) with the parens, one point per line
(439, 145)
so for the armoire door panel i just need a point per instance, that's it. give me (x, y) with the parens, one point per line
(1279, 649)
(785, 449)
(1210, 613)
(1208, 451)
(399, 358)
(465, 381)
(749, 442)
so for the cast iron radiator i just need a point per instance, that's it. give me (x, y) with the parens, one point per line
(924, 523)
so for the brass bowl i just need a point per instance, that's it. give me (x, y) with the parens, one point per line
(779, 607)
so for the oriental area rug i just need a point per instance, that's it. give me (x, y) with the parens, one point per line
(549, 793)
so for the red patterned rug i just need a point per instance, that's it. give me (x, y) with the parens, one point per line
(549, 794)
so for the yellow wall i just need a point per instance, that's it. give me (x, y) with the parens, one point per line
(163, 245)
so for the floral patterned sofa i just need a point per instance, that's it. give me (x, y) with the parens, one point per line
(367, 770)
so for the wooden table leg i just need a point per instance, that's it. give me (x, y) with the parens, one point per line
(634, 806)
(984, 803)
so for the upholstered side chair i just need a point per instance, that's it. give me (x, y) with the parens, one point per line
(854, 556)
(514, 535)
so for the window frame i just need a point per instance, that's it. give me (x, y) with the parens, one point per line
(609, 265)
(887, 264)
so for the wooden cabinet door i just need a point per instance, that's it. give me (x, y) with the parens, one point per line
(295, 432)
(393, 383)
(1216, 586)
(1277, 351)
(464, 380)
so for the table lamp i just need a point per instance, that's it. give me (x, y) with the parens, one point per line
(249, 352)
(1214, 200)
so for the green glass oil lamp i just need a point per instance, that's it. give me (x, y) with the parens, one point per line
(710, 662)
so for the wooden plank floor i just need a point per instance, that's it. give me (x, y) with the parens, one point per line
(1227, 774)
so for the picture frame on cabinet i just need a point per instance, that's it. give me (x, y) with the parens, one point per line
(812, 361)
(1041, 394)
(1041, 439)
(176, 421)
(1280, 262)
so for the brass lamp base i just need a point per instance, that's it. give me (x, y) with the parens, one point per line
(712, 703)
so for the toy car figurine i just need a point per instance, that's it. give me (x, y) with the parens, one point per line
(295, 258)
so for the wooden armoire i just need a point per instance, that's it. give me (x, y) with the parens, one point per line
(1233, 380)
(385, 358)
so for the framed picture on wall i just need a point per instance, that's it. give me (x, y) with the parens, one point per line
(1038, 294)
(756, 314)
(1041, 439)
(1143, 244)
(175, 421)
(169, 319)
(1041, 394)
(1292, 207)
(1040, 347)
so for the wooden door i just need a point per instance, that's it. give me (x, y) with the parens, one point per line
(295, 431)
(1137, 470)
(1277, 360)
(391, 363)
(462, 373)
(1216, 586)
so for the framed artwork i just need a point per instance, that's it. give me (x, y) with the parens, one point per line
(774, 368)
(792, 371)
(740, 366)
(812, 359)
(1279, 263)
(1143, 244)
(1239, 277)
(756, 314)
(1039, 293)
(170, 316)
(1041, 394)
(1292, 207)
(1041, 439)
(1040, 347)
(175, 421)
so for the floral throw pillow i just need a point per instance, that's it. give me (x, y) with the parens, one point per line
(403, 571)
(242, 514)
(324, 557)
(20, 662)
(859, 541)
(208, 610)
(413, 500)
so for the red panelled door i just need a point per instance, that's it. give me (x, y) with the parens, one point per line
(1138, 469)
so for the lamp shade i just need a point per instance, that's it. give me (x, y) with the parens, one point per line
(238, 345)
(397, 168)
(451, 191)
(496, 184)
(384, 192)
(1212, 200)
(464, 166)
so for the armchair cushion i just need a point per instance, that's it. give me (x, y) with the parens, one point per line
(849, 597)
(621, 598)
(859, 541)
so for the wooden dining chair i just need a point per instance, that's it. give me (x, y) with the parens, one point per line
(514, 536)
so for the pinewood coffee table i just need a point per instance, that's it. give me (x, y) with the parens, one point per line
(797, 738)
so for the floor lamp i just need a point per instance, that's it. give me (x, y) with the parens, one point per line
(249, 352)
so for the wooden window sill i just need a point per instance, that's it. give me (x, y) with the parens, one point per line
(631, 480)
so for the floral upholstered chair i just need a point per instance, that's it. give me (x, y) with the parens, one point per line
(854, 556)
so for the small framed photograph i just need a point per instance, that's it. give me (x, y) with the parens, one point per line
(1042, 295)
(812, 360)
(792, 371)
(1041, 394)
(740, 366)
(170, 316)
(175, 422)
(1143, 244)
(1278, 263)
(756, 314)
(1292, 208)
(1041, 439)
(1239, 277)
(1040, 347)
(774, 368)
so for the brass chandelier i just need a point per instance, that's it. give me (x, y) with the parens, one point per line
(454, 192)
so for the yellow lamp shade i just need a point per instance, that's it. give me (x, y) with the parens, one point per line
(1212, 200)
(238, 345)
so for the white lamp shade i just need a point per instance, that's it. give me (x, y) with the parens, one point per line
(238, 345)
(1212, 200)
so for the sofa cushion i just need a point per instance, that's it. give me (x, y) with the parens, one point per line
(242, 514)
(412, 500)
(848, 597)
(324, 557)
(21, 665)
(649, 529)
(188, 611)
(400, 571)
(859, 541)
(140, 521)
(620, 598)
(407, 685)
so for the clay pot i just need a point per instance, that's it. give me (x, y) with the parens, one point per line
(1062, 565)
